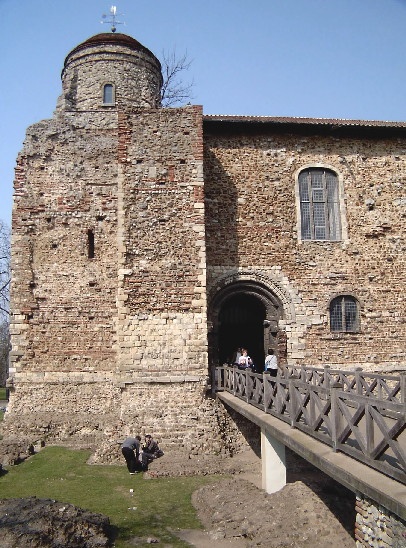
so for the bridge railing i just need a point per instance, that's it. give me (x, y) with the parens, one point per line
(360, 414)
(369, 384)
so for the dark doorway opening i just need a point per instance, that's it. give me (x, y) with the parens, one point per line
(241, 324)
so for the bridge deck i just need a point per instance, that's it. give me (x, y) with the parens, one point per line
(354, 475)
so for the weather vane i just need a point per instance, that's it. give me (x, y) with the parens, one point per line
(113, 21)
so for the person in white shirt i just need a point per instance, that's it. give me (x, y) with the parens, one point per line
(271, 363)
(245, 362)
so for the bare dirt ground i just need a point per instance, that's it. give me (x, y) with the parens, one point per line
(311, 511)
(45, 523)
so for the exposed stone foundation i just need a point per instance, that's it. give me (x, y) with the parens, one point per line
(182, 416)
(376, 527)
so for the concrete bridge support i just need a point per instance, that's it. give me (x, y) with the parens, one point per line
(273, 463)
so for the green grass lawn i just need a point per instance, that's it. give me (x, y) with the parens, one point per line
(162, 505)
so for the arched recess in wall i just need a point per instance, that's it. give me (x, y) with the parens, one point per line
(245, 312)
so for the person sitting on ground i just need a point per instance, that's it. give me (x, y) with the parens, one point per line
(132, 459)
(150, 451)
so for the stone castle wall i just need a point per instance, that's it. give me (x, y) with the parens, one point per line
(136, 311)
(95, 318)
(64, 301)
(252, 232)
(162, 283)
(129, 220)
(178, 411)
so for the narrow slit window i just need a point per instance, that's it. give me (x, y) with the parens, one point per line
(108, 94)
(90, 244)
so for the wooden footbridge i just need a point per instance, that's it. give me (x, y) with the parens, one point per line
(349, 424)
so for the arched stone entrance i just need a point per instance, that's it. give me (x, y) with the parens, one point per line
(241, 321)
(243, 313)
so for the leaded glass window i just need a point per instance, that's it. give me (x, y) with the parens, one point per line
(319, 205)
(344, 314)
(108, 94)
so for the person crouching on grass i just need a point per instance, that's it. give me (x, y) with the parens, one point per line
(150, 451)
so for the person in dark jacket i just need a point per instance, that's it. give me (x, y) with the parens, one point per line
(150, 451)
(132, 459)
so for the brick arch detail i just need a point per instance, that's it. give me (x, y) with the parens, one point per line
(265, 283)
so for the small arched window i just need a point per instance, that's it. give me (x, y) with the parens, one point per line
(344, 314)
(108, 94)
(319, 204)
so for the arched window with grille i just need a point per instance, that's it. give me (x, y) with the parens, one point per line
(108, 94)
(319, 204)
(344, 314)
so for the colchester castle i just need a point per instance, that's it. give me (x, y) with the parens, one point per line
(149, 243)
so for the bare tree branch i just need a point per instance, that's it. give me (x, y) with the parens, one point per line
(175, 91)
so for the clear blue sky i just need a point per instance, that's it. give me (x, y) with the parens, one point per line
(317, 58)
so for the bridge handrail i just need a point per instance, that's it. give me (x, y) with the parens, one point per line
(327, 405)
(361, 382)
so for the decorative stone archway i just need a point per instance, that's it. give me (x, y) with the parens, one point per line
(245, 309)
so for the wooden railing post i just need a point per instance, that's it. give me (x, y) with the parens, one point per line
(284, 370)
(277, 401)
(358, 383)
(292, 401)
(403, 388)
(214, 375)
(266, 390)
(336, 420)
(326, 380)
(248, 384)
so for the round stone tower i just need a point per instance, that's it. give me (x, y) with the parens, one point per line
(110, 71)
